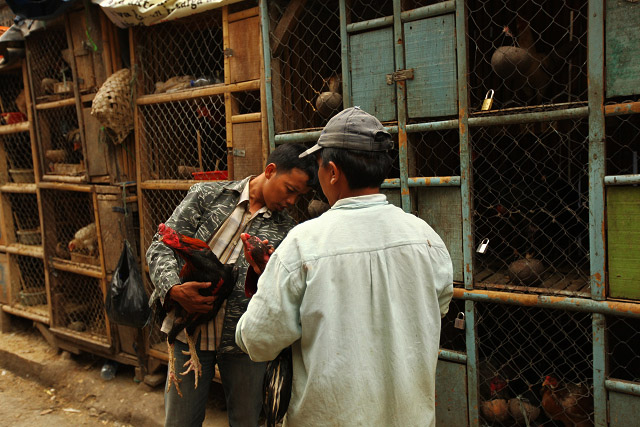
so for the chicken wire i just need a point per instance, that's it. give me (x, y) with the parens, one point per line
(28, 285)
(19, 162)
(623, 334)
(518, 347)
(189, 47)
(180, 138)
(622, 144)
(12, 99)
(305, 56)
(78, 305)
(65, 214)
(529, 53)
(46, 51)
(60, 141)
(530, 186)
(25, 218)
(434, 153)
(452, 338)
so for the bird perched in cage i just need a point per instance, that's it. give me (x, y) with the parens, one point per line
(569, 403)
(523, 66)
(524, 408)
(85, 240)
(493, 391)
(201, 265)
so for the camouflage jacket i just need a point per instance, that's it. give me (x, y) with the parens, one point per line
(205, 208)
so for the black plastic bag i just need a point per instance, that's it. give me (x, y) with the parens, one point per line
(127, 302)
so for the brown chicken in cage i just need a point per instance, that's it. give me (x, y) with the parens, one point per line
(569, 403)
(85, 240)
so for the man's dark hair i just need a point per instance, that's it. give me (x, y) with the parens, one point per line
(363, 169)
(286, 157)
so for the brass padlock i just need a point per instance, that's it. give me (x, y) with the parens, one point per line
(459, 322)
(488, 101)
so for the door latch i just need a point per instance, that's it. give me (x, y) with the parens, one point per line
(400, 75)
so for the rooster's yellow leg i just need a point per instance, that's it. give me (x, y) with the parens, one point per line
(172, 377)
(193, 364)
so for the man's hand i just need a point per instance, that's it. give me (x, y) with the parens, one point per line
(256, 252)
(189, 298)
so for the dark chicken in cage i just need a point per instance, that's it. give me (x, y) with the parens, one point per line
(201, 265)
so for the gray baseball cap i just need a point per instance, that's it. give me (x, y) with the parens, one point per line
(353, 129)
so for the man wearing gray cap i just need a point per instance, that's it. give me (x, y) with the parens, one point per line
(357, 292)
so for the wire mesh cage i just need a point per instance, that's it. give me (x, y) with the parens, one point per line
(60, 141)
(434, 153)
(170, 55)
(28, 285)
(305, 63)
(624, 361)
(156, 206)
(70, 227)
(529, 53)
(622, 144)
(180, 138)
(13, 107)
(78, 306)
(50, 64)
(531, 203)
(535, 366)
(16, 150)
(25, 218)
(451, 336)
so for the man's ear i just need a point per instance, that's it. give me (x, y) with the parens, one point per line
(335, 172)
(270, 170)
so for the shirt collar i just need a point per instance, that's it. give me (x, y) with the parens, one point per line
(361, 201)
(244, 198)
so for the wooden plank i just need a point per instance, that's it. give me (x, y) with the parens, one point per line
(622, 48)
(623, 241)
(441, 208)
(14, 128)
(372, 59)
(430, 50)
(247, 140)
(97, 153)
(83, 56)
(244, 41)
(451, 393)
(283, 30)
(4, 278)
(243, 14)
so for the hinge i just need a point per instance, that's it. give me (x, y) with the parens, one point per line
(228, 52)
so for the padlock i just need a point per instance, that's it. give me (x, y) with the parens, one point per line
(482, 247)
(488, 101)
(459, 322)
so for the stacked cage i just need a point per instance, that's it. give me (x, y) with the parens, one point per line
(199, 111)
(501, 148)
(22, 288)
(86, 178)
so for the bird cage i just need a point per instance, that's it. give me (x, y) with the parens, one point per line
(28, 294)
(85, 227)
(518, 144)
(67, 68)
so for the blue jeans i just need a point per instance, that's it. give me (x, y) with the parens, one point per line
(242, 382)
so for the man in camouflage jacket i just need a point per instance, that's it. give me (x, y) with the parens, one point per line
(217, 213)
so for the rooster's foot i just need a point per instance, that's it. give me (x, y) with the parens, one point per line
(171, 376)
(193, 364)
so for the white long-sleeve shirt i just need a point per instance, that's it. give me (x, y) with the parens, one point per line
(358, 293)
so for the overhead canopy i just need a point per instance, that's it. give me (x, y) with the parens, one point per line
(129, 13)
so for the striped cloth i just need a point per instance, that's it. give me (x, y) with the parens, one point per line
(227, 246)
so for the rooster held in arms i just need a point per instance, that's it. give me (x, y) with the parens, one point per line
(278, 377)
(571, 404)
(201, 265)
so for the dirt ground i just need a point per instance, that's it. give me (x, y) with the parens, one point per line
(40, 385)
